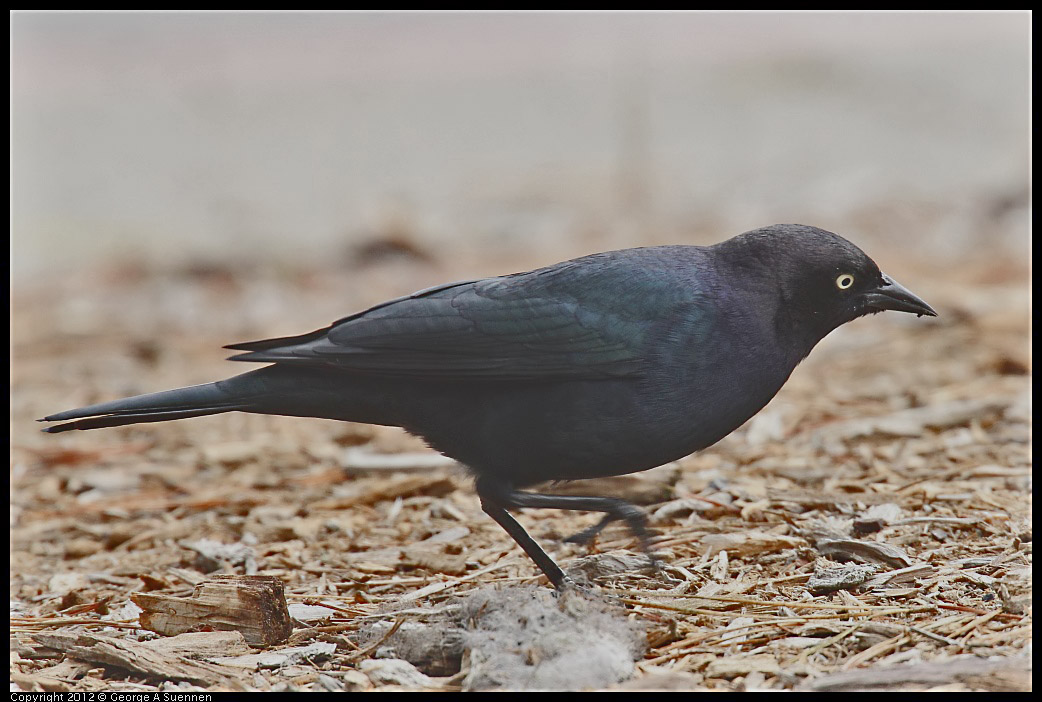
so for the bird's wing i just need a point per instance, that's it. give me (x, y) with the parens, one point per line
(522, 327)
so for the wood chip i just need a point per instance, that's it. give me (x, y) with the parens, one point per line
(389, 490)
(826, 580)
(393, 671)
(975, 673)
(201, 644)
(433, 560)
(732, 666)
(253, 605)
(896, 577)
(864, 551)
(136, 657)
(913, 422)
(280, 658)
(749, 543)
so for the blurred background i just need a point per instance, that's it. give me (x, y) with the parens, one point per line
(186, 180)
(509, 139)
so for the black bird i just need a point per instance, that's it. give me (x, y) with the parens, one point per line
(608, 364)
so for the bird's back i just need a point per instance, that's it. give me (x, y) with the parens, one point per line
(607, 364)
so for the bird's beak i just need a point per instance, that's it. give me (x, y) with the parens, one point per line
(891, 295)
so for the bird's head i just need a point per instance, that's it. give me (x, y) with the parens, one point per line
(819, 279)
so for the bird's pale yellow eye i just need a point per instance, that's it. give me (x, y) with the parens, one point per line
(844, 281)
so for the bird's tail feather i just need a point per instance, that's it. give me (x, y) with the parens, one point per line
(292, 391)
(194, 401)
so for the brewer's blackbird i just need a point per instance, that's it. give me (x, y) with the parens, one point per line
(607, 364)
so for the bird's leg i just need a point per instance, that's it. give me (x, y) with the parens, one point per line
(551, 570)
(586, 535)
(615, 509)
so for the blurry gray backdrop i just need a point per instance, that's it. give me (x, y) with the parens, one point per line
(211, 136)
